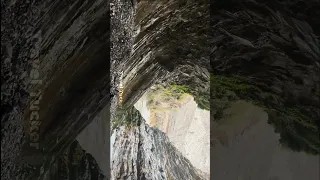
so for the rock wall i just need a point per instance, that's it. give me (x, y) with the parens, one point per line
(141, 152)
(73, 164)
(187, 127)
(268, 53)
(55, 68)
(56, 61)
(167, 36)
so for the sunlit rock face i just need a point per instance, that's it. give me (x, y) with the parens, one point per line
(142, 152)
(142, 106)
(170, 38)
(186, 125)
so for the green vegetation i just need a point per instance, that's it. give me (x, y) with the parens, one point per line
(157, 126)
(77, 155)
(233, 87)
(201, 99)
(228, 89)
(221, 95)
(126, 116)
(203, 102)
(174, 92)
(298, 131)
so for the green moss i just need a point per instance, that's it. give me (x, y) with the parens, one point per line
(126, 116)
(179, 88)
(201, 99)
(203, 102)
(296, 133)
(224, 85)
(156, 126)
(178, 92)
(298, 130)
(169, 92)
(77, 156)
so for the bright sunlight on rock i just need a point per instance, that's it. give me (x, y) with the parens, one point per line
(187, 126)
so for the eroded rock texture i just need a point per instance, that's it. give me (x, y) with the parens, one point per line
(141, 152)
(55, 67)
(263, 51)
(55, 59)
(74, 163)
(268, 52)
(171, 44)
(121, 38)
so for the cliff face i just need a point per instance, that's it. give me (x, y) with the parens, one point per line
(73, 164)
(55, 64)
(268, 53)
(55, 75)
(56, 61)
(141, 152)
(186, 125)
(170, 38)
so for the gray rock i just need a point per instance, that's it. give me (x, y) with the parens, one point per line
(268, 53)
(142, 152)
(48, 41)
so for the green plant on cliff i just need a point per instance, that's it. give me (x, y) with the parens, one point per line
(170, 94)
(77, 156)
(178, 92)
(203, 102)
(126, 116)
(298, 131)
(201, 99)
